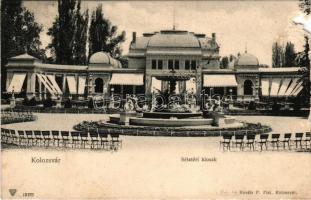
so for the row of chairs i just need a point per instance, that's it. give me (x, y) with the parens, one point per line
(249, 141)
(75, 139)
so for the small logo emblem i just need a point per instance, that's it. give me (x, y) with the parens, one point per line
(12, 192)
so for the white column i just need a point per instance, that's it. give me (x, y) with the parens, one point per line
(64, 83)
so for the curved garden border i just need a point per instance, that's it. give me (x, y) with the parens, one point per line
(172, 131)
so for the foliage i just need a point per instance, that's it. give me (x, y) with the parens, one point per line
(302, 58)
(48, 103)
(289, 55)
(69, 33)
(303, 61)
(251, 106)
(305, 6)
(20, 33)
(68, 104)
(103, 35)
(90, 103)
(277, 55)
(30, 102)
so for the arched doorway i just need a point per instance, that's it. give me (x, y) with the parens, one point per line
(248, 87)
(99, 85)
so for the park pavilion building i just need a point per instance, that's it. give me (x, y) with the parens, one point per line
(155, 60)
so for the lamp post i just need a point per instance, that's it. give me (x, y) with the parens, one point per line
(112, 90)
(230, 93)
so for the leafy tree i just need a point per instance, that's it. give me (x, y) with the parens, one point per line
(303, 61)
(305, 6)
(103, 35)
(68, 33)
(302, 58)
(20, 33)
(277, 55)
(80, 40)
(289, 55)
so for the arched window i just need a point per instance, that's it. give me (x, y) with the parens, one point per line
(99, 85)
(248, 87)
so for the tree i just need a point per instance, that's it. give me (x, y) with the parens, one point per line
(224, 62)
(80, 40)
(68, 33)
(303, 61)
(289, 55)
(20, 33)
(103, 35)
(305, 6)
(277, 55)
(302, 58)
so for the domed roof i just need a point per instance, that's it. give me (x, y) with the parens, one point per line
(104, 59)
(174, 38)
(247, 59)
(100, 58)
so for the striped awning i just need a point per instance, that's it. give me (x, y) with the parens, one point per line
(291, 87)
(72, 84)
(17, 83)
(127, 79)
(275, 86)
(81, 86)
(265, 87)
(54, 84)
(47, 84)
(284, 86)
(219, 80)
(278, 87)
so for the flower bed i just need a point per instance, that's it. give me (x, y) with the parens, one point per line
(171, 131)
(16, 117)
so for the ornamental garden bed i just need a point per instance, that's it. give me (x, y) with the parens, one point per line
(132, 130)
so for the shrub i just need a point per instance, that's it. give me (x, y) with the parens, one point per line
(48, 103)
(90, 103)
(251, 106)
(30, 102)
(68, 104)
(276, 106)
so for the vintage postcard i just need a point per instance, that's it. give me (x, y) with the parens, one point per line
(155, 99)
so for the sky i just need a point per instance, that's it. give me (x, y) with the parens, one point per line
(239, 25)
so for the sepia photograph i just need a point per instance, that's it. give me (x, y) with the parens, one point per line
(155, 99)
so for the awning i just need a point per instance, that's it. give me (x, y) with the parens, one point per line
(219, 80)
(265, 87)
(16, 83)
(284, 86)
(54, 84)
(291, 87)
(297, 91)
(127, 79)
(156, 85)
(81, 86)
(275, 86)
(72, 85)
(298, 86)
(43, 79)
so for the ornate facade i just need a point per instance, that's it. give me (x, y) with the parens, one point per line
(191, 60)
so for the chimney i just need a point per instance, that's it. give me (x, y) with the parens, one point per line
(214, 36)
(134, 37)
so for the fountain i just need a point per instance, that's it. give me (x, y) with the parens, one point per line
(170, 112)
